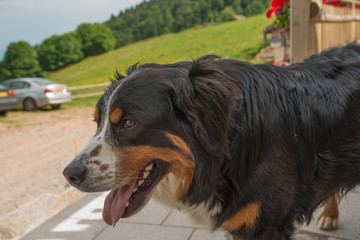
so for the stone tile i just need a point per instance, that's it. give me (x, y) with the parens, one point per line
(349, 222)
(303, 235)
(66, 229)
(201, 234)
(306, 237)
(152, 213)
(176, 218)
(356, 190)
(145, 231)
(88, 207)
(83, 220)
(92, 210)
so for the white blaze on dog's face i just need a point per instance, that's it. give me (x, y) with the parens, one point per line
(136, 145)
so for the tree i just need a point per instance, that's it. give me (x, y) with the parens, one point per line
(255, 7)
(155, 17)
(217, 5)
(21, 60)
(60, 51)
(237, 7)
(4, 73)
(227, 14)
(96, 38)
(168, 21)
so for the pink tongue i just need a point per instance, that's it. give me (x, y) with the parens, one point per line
(114, 205)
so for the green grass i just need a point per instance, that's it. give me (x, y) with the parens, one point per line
(237, 40)
(82, 102)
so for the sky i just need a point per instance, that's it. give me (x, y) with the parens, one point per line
(35, 20)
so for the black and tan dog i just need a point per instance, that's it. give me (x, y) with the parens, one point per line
(250, 149)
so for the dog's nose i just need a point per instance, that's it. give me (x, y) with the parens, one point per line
(75, 173)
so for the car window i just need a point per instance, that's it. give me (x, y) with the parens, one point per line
(43, 82)
(20, 85)
(6, 84)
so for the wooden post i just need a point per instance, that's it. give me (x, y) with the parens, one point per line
(299, 29)
(353, 23)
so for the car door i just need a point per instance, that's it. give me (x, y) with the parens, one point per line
(21, 89)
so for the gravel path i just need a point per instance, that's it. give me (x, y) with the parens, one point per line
(34, 149)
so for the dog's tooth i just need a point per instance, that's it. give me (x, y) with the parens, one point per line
(127, 204)
(146, 174)
(148, 168)
(134, 189)
(140, 182)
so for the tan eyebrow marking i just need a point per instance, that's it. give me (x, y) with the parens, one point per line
(96, 114)
(116, 115)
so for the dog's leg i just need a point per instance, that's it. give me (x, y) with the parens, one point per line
(329, 218)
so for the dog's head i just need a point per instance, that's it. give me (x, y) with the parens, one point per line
(155, 122)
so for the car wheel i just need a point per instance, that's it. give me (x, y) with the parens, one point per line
(55, 106)
(29, 104)
(3, 114)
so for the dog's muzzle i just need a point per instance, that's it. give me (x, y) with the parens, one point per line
(75, 173)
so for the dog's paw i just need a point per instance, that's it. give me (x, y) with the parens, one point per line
(329, 218)
(327, 223)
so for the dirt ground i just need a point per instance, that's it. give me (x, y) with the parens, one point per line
(34, 149)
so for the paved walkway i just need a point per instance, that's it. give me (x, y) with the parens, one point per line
(83, 221)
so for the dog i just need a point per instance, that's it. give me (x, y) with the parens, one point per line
(249, 149)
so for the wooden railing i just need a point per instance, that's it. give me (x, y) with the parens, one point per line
(88, 90)
(315, 26)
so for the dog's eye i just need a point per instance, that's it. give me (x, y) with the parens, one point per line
(128, 123)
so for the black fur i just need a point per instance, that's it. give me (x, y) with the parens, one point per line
(286, 138)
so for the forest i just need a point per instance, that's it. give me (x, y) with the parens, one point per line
(157, 17)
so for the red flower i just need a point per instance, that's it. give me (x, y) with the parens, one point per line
(277, 3)
(281, 10)
(268, 14)
(335, 3)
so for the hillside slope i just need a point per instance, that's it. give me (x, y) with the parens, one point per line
(228, 39)
(157, 17)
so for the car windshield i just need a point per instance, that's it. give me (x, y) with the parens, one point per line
(6, 84)
(42, 82)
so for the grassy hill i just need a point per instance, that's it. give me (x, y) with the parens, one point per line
(237, 39)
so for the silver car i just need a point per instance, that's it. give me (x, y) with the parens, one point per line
(33, 93)
(7, 100)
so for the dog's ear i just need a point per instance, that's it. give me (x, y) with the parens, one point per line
(118, 76)
(208, 97)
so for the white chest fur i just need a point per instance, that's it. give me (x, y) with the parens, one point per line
(200, 214)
